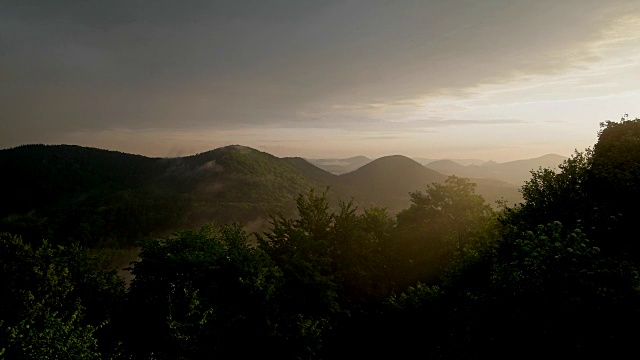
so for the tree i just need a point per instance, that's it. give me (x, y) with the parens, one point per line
(555, 196)
(443, 218)
(335, 267)
(203, 293)
(615, 185)
(304, 249)
(599, 188)
(554, 288)
(55, 301)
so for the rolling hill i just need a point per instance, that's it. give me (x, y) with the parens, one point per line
(514, 172)
(340, 166)
(388, 180)
(109, 198)
(99, 196)
(425, 161)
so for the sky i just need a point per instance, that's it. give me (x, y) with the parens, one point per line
(495, 80)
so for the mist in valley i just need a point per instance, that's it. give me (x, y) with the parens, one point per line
(319, 180)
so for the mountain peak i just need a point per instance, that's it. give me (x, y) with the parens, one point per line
(490, 163)
(392, 162)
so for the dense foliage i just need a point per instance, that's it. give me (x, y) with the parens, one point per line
(55, 301)
(202, 293)
(101, 198)
(448, 277)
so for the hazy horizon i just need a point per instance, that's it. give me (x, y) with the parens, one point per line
(339, 159)
(494, 80)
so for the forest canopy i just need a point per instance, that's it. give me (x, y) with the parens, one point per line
(448, 277)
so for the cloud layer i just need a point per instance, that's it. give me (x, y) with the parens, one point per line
(88, 69)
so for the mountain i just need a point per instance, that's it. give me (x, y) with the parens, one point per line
(514, 172)
(109, 198)
(37, 175)
(106, 197)
(311, 171)
(493, 190)
(225, 174)
(388, 180)
(450, 167)
(340, 166)
(237, 183)
(425, 161)
(519, 171)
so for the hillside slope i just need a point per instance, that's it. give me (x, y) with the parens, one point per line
(514, 172)
(109, 198)
(99, 196)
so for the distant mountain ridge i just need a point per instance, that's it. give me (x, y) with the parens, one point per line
(389, 179)
(514, 172)
(425, 161)
(107, 197)
(340, 166)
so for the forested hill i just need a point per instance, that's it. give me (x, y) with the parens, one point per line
(94, 195)
(43, 175)
(447, 277)
(113, 198)
(514, 172)
(388, 180)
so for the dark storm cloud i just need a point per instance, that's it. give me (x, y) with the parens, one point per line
(90, 65)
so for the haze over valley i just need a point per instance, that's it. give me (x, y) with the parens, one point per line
(136, 196)
(297, 179)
